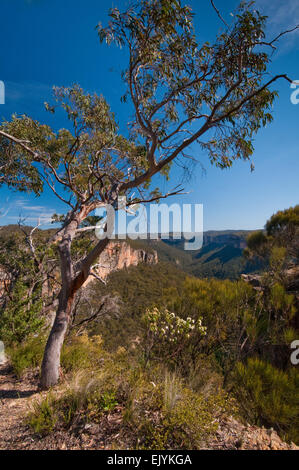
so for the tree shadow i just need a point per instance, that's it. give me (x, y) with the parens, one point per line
(15, 394)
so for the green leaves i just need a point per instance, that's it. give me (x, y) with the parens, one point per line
(283, 220)
(82, 160)
(173, 79)
(16, 170)
(282, 231)
(50, 109)
(22, 315)
(182, 90)
(268, 396)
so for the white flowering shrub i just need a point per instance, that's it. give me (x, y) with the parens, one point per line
(167, 334)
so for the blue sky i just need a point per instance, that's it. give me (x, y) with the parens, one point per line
(54, 42)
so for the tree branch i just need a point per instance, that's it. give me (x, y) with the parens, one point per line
(22, 143)
(218, 13)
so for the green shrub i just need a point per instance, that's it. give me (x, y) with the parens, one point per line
(107, 401)
(89, 403)
(166, 335)
(21, 316)
(78, 353)
(42, 419)
(81, 352)
(164, 413)
(241, 321)
(186, 420)
(269, 396)
(27, 355)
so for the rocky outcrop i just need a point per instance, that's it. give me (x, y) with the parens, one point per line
(255, 280)
(233, 435)
(120, 255)
(291, 279)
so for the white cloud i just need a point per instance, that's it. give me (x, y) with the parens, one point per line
(13, 211)
(28, 91)
(282, 16)
(32, 208)
(42, 217)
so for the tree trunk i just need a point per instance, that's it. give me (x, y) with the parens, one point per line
(70, 286)
(51, 360)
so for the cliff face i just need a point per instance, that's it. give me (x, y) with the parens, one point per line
(120, 255)
(117, 255)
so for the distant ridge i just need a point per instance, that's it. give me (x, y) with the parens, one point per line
(221, 255)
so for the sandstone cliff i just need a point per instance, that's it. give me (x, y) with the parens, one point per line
(120, 255)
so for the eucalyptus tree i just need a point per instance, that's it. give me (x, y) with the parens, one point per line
(281, 231)
(182, 90)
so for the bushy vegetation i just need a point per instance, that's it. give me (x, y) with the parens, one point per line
(132, 286)
(167, 336)
(42, 419)
(269, 396)
(240, 323)
(21, 315)
(158, 408)
(27, 355)
(281, 231)
(169, 387)
(81, 352)
(169, 354)
(78, 353)
(240, 320)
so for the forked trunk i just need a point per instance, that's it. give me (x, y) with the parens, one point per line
(70, 286)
